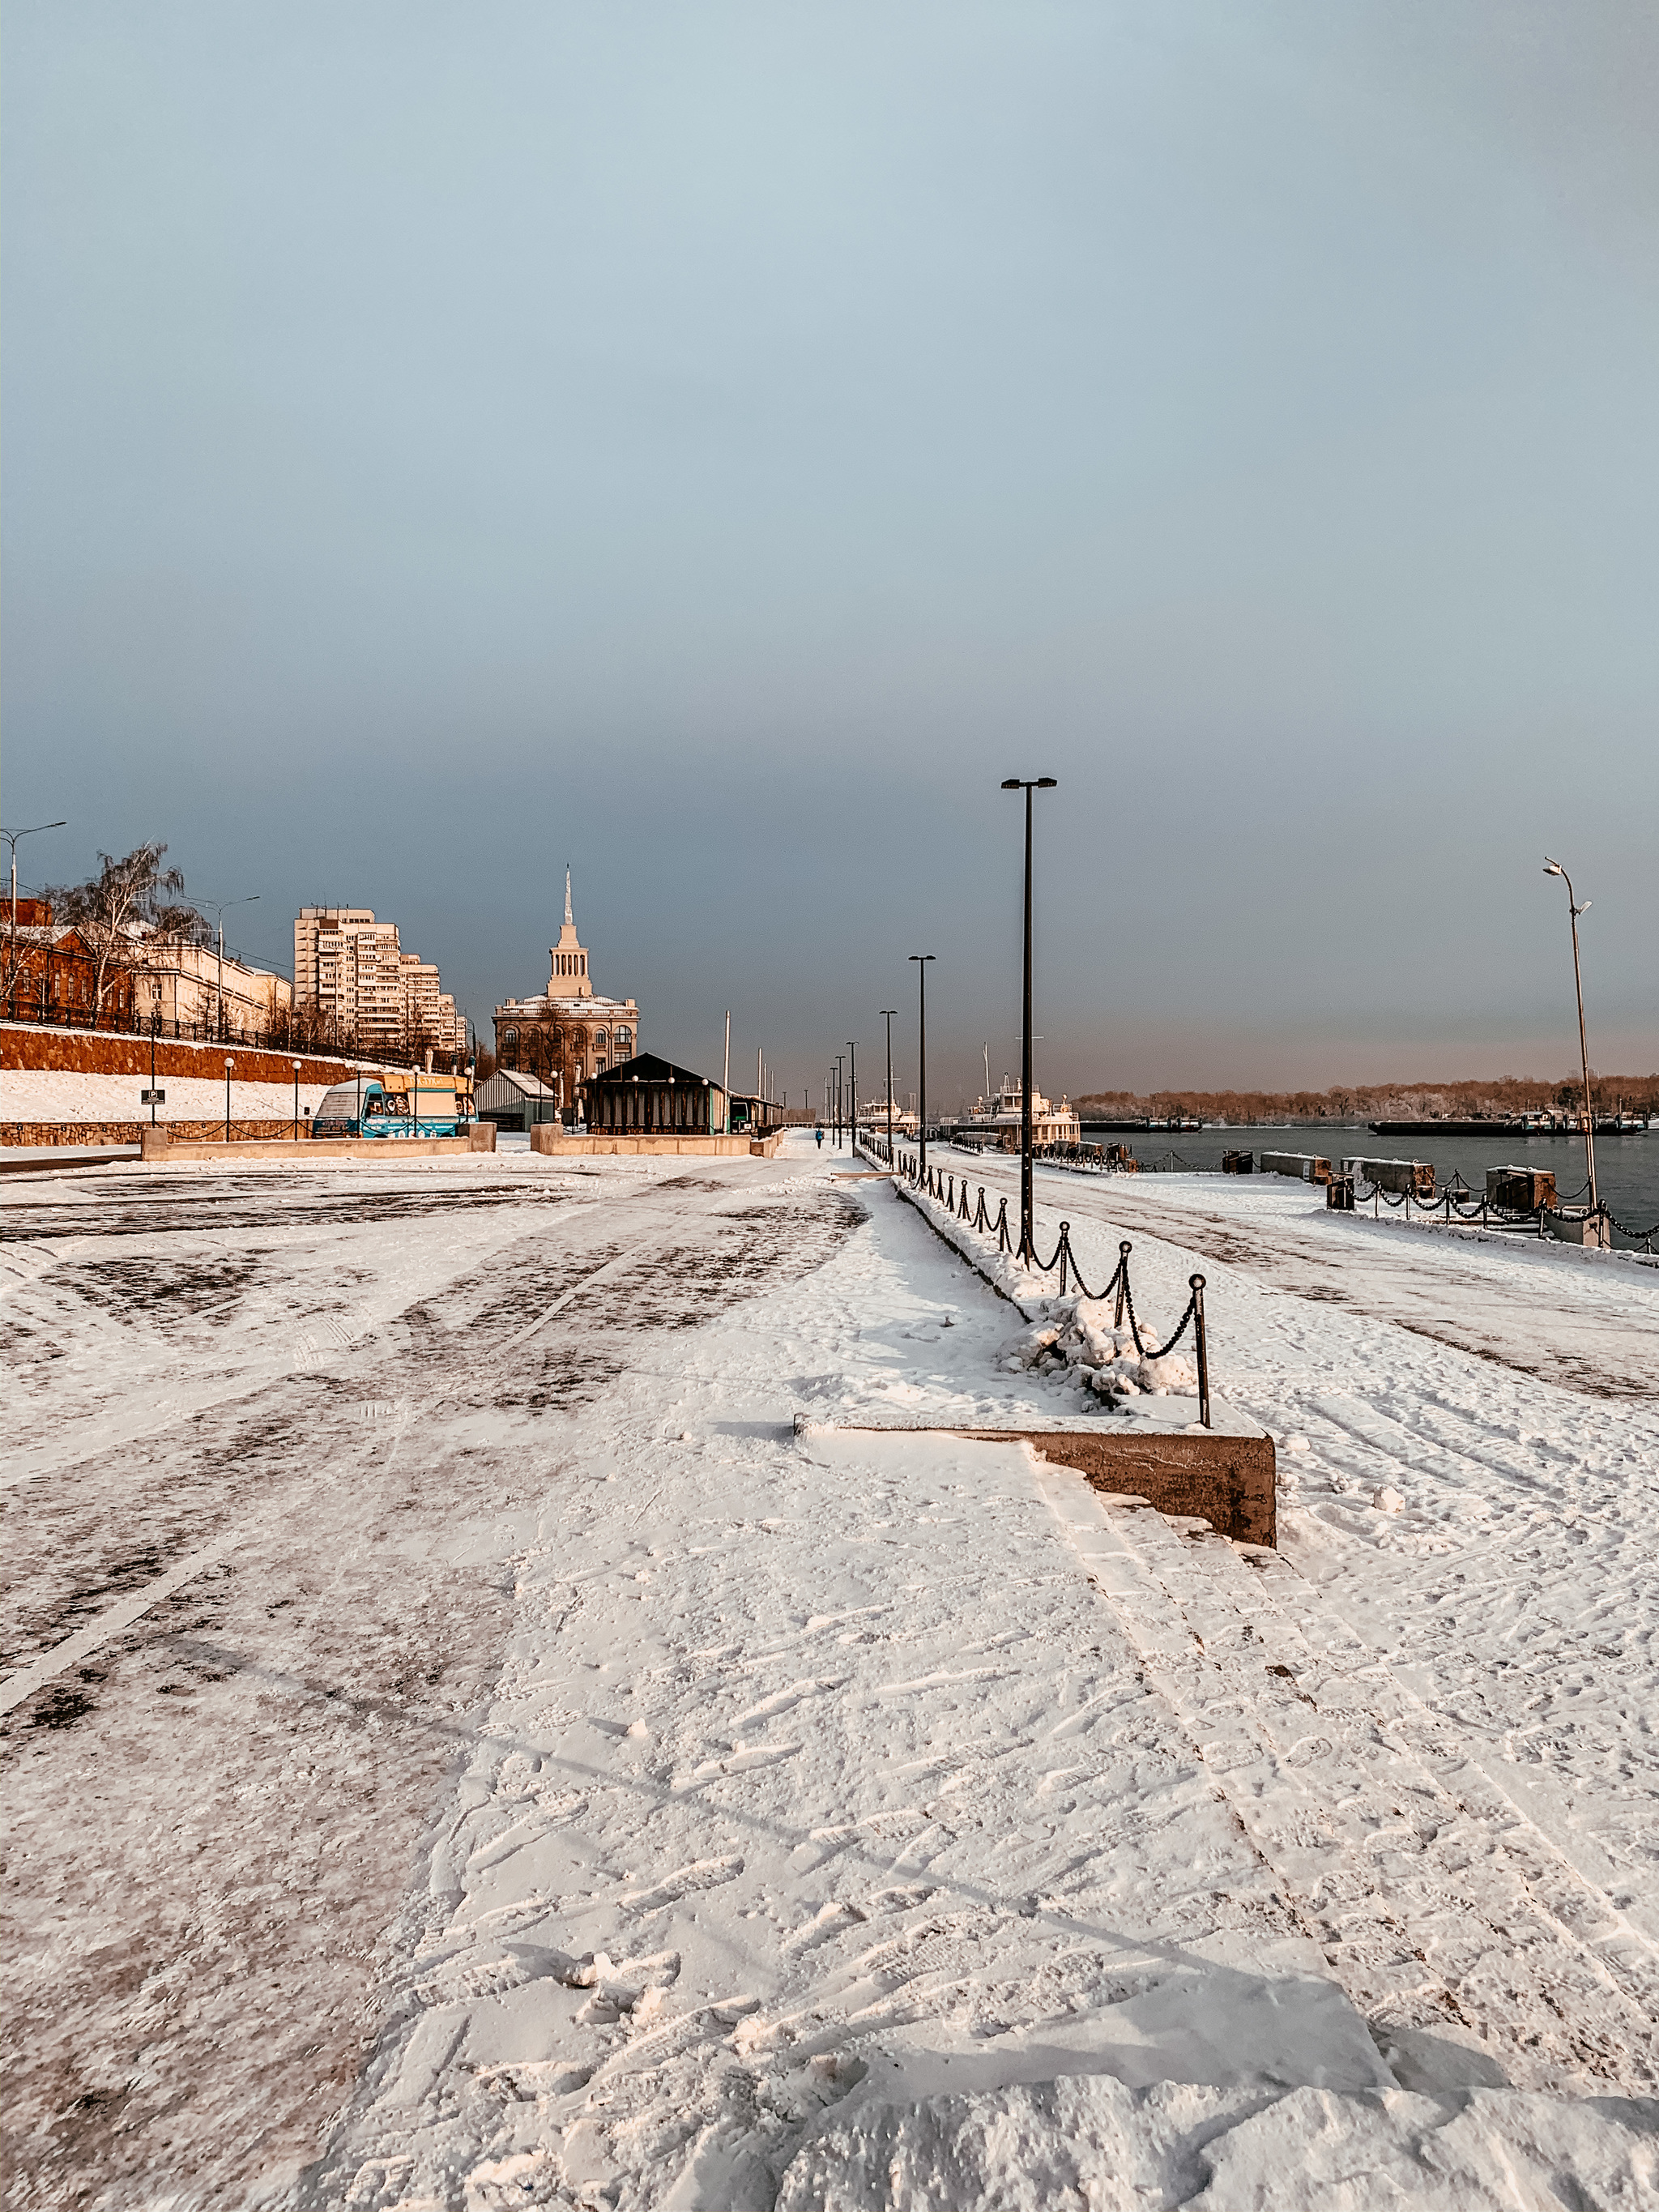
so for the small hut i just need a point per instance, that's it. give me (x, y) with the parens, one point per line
(650, 1096)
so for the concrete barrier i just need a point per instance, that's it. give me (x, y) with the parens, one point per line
(1521, 1190)
(1307, 1167)
(1416, 1176)
(1593, 1230)
(549, 1137)
(311, 1151)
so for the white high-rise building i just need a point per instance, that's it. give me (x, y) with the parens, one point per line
(352, 968)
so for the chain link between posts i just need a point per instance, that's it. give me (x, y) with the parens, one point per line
(949, 1190)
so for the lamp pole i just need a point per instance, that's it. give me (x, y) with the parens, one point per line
(841, 1098)
(887, 1014)
(221, 907)
(726, 1072)
(1555, 868)
(11, 837)
(1027, 1223)
(921, 960)
(852, 1048)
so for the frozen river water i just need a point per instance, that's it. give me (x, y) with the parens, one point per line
(461, 1746)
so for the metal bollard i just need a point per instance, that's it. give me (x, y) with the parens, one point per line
(1197, 1285)
(1123, 1250)
(1065, 1252)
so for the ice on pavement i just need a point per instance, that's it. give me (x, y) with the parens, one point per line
(854, 1820)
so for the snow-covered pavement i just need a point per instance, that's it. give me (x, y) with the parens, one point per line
(543, 1776)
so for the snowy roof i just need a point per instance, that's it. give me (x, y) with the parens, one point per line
(492, 1091)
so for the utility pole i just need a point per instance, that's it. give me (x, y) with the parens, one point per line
(921, 960)
(887, 1014)
(1027, 1209)
(726, 1072)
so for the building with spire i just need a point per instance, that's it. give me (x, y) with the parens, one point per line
(570, 1034)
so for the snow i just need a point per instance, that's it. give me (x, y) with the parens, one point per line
(848, 1815)
(30, 1093)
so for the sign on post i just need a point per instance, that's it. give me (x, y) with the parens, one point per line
(152, 1097)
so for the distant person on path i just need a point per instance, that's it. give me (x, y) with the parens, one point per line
(818, 1134)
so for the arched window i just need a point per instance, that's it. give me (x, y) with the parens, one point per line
(602, 1040)
(624, 1044)
(510, 1047)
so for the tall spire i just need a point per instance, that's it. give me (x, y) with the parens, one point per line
(569, 918)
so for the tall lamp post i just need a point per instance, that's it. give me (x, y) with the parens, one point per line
(852, 1048)
(11, 837)
(840, 1097)
(887, 1014)
(221, 907)
(1027, 1223)
(1555, 868)
(921, 960)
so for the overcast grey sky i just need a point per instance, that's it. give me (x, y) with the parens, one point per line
(715, 444)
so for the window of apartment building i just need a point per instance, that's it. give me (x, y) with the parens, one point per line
(624, 1044)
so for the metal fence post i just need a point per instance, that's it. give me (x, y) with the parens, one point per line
(1123, 1282)
(1197, 1282)
(1064, 1253)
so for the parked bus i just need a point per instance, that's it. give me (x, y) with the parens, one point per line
(427, 1106)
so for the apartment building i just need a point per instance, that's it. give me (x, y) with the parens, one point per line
(354, 968)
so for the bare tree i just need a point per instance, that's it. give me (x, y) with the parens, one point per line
(119, 913)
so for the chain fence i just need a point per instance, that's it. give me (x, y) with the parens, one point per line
(950, 1190)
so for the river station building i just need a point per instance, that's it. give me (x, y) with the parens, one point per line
(570, 1034)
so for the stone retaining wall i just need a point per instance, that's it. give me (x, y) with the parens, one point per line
(87, 1052)
(132, 1132)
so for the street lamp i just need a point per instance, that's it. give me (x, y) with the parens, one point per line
(887, 1014)
(921, 960)
(852, 1048)
(840, 1097)
(1555, 868)
(221, 907)
(11, 837)
(1027, 1210)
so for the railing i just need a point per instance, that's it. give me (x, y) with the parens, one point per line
(950, 1190)
(1454, 1201)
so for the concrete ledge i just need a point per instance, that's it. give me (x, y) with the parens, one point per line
(1231, 1482)
(547, 1137)
(310, 1151)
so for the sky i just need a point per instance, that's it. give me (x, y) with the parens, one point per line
(713, 446)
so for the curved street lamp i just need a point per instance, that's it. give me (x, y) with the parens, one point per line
(1027, 1207)
(1555, 868)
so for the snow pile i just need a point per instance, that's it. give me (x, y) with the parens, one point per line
(1084, 1337)
(1090, 2140)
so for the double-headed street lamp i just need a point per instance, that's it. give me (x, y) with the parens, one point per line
(1027, 1212)
(1555, 868)
(921, 960)
(887, 1014)
(11, 837)
(221, 907)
